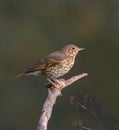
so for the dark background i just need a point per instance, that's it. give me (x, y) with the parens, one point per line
(31, 29)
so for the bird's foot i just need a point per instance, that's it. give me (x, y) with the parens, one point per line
(55, 83)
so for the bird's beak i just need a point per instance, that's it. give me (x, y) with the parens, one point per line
(80, 49)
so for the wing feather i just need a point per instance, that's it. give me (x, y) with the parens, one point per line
(50, 60)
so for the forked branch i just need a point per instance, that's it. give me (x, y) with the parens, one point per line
(53, 93)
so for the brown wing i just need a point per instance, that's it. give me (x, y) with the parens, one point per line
(53, 58)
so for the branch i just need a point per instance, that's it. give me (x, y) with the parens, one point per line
(53, 93)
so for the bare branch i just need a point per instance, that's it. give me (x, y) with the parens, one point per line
(53, 93)
(74, 79)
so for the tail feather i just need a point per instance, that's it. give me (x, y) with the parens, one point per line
(29, 71)
(18, 76)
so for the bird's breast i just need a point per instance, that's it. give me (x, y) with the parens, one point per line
(58, 70)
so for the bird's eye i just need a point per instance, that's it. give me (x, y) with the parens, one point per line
(73, 48)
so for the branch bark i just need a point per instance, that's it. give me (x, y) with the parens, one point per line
(53, 93)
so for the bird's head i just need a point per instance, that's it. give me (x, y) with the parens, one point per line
(71, 50)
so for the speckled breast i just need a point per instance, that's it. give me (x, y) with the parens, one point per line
(58, 70)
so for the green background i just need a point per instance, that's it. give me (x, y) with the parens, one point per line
(30, 30)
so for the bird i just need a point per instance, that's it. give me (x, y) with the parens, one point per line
(54, 65)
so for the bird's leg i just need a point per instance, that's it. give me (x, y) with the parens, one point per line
(53, 83)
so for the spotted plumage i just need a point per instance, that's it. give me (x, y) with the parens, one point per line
(55, 64)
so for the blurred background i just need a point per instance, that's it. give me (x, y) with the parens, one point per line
(30, 30)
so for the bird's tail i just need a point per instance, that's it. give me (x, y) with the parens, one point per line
(18, 76)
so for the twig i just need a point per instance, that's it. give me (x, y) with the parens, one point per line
(86, 128)
(53, 93)
(77, 103)
(79, 125)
